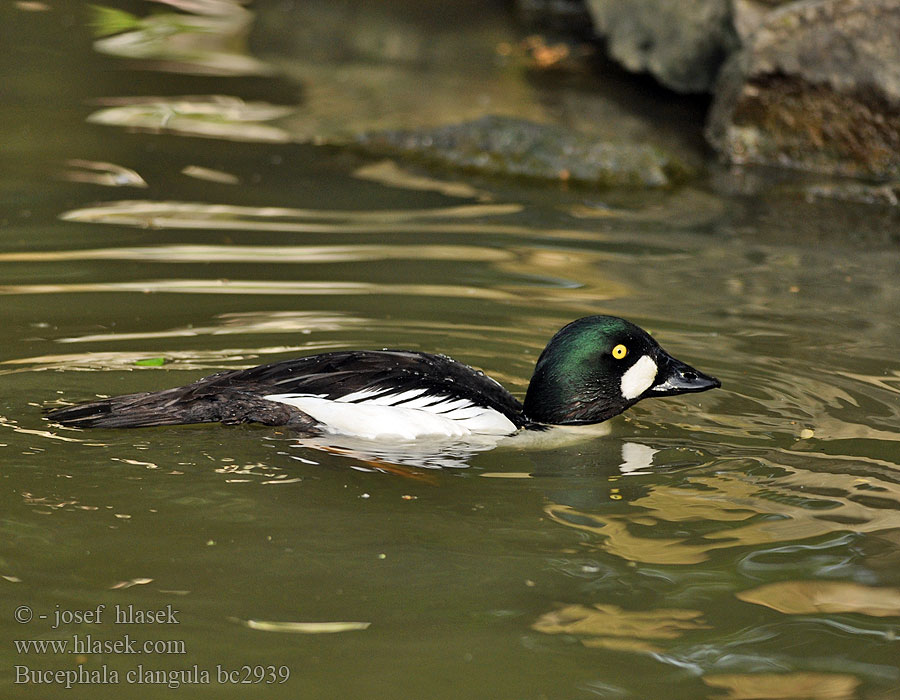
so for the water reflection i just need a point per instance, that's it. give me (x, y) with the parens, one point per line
(387, 172)
(611, 627)
(220, 177)
(264, 474)
(227, 358)
(207, 37)
(240, 323)
(99, 173)
(303, 627)
(785, 686)
(215, 116)
(270, 254)
(809, 597)
(161, 215)
(387, 456)
(32, 6)
(10, 424)
(265, 287)
(734, 508)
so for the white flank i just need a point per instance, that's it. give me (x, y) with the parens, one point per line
(407, 415)
(639, 377)
(377, 397)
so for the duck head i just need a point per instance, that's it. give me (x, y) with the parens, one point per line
(598, 366)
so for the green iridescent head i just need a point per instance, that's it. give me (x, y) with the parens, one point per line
(598, 366)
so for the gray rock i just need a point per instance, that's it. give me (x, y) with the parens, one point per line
(568, 17)
(817, 87)
(887, 194)
(682, 43)
(517, 148)
(749, 15)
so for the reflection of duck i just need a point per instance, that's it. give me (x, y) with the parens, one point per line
(592, 369)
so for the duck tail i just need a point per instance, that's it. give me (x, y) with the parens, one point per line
(127, 411)
(183, 405)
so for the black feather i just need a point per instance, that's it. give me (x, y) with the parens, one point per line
(237, 396)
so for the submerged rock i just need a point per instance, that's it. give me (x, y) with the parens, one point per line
(514, 147)
(817, 87)
(887, 194)
(682, 44)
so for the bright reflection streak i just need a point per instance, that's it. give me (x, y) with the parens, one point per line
(100, 173)
(268, 254)
(215, 116)
(280, 287)
(205, 38)
(387, 172)
(148, 213)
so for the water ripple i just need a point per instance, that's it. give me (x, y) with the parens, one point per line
(736, 509)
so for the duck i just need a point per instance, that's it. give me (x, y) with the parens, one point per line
(592, 369)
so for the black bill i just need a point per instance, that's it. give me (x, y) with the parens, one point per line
(676, 377)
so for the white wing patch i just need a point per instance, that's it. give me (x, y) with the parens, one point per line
(407, 415)
(639, 377)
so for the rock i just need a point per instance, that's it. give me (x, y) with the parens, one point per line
(518, 148)
(808, 84)
(749, 15)
(816, 87)
(568, 17)
(887, 194)
(682, 44)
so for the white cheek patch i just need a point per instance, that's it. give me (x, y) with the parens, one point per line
(639, 377)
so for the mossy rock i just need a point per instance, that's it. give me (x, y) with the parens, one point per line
(817, 88)
(507, 147)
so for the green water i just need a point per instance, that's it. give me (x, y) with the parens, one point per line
(635, 565)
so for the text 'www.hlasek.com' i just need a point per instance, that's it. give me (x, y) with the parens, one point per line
(66, 647)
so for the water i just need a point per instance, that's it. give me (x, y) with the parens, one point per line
(737, 543)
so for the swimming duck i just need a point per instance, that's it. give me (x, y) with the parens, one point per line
(591, 370)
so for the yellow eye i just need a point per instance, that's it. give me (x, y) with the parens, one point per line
(619, 351)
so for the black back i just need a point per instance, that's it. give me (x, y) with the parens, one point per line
(337, 374)
(237, 396)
